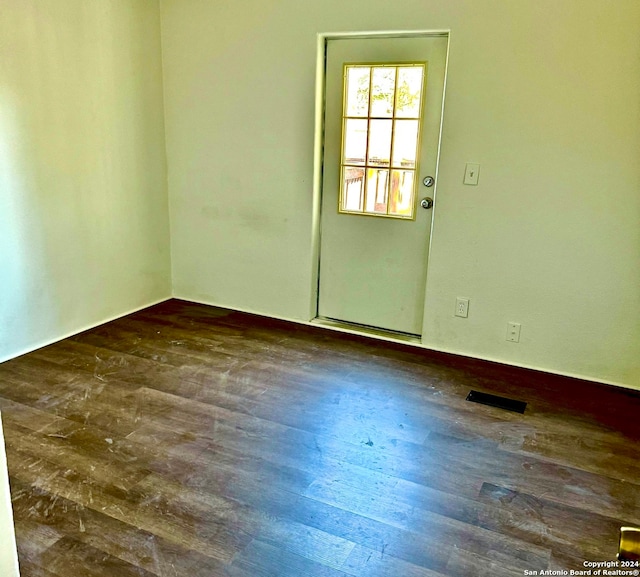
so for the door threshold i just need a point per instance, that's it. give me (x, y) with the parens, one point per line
(367, 330)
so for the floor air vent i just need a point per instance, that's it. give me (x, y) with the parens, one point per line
(496, 401)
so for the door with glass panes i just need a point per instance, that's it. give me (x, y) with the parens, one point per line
(383, 108)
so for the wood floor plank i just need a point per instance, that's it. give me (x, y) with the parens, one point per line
(364, 562)
(409, 546)
(547, 522)
(122, 540)
(33, 569)
(261, 559)
(198, 528)
(74, 395)
(186, 440)
(441, 530)
(75, 447)
(464, 562)
(70, 557)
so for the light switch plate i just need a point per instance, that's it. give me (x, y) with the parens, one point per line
(471, 173)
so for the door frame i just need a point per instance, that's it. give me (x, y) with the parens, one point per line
(318, 148)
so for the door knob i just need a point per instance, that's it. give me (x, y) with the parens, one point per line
(428, 181)
(426, 202)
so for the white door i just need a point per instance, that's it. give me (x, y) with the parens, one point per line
(383, 108)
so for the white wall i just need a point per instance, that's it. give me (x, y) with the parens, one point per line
(8, 554)
(83, 205)
(545, 94)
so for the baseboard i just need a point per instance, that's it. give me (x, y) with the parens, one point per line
(414, 343)
(534, 368)
(48, 342)
(330, 327)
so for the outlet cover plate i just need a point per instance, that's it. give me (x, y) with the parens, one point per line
(513, 332)
(462, 307)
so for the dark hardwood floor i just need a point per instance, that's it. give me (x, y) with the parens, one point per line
(186, 440)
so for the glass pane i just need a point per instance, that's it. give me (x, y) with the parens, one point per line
(355, 141)
(352, 188)
(405, 143)
(377, 190)
(383, 103)
(382, 91)
(380, 142)
(409, 91)
(402, 191)
(357, 90)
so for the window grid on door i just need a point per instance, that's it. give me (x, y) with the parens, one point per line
(381, 123)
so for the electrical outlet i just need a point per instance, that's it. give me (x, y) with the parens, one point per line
(513, 332)
(462, 307)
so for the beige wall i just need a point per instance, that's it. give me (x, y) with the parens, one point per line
(83, 200)
(545, 94)
(8, 555)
